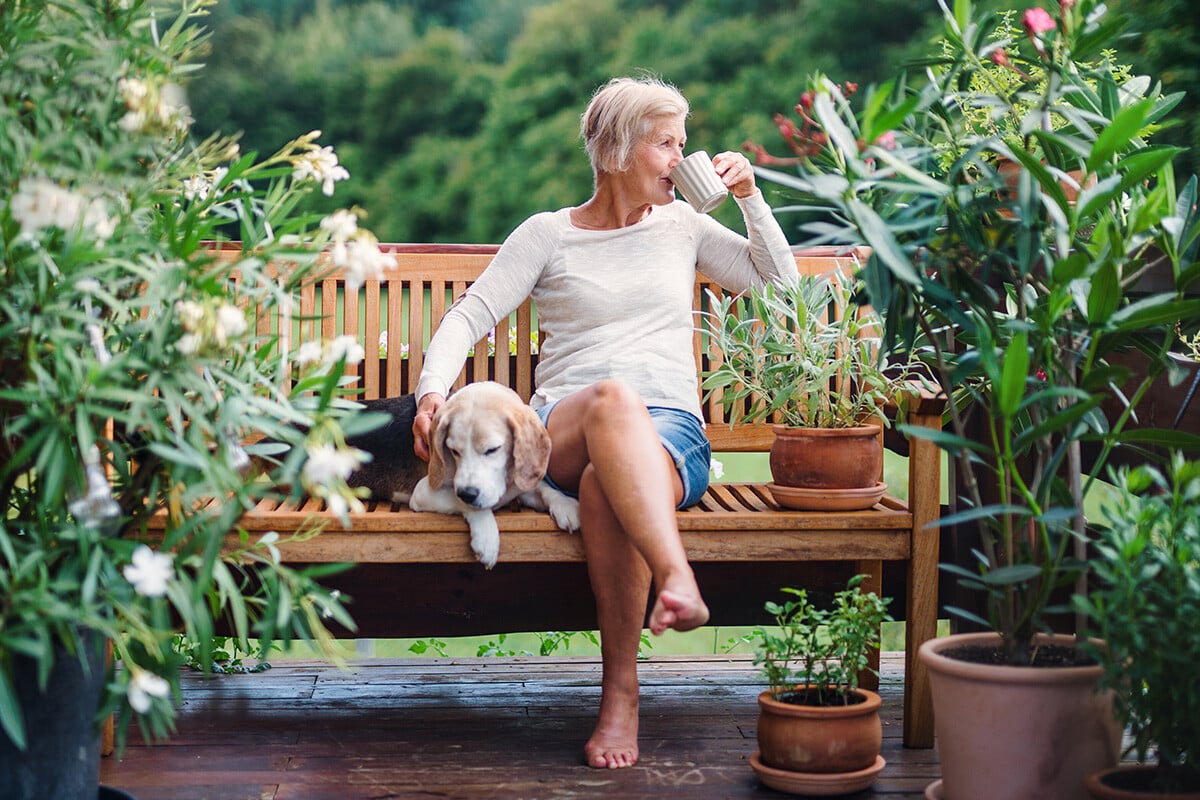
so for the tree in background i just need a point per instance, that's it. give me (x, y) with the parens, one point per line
(459, 119)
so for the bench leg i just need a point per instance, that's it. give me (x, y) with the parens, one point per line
(921, 581)
(869, 677)
(106, 728)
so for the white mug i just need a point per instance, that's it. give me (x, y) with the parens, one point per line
(698, 182)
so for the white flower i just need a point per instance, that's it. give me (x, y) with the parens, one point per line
(132, 122)
(134, 91)
(231, 323)
(191, 314)
(341, 225)
(40, 203)
(308, 353)
(320, 164)
(149, 572)
(144, 686)
(347, 347)
(717, 468)
(188, 344)
(327, 463)
(338, 505)
(173, 111)
(196, 187)
(363, 260)
(97, 220)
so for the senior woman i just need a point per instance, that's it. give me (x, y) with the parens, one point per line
(616, 382)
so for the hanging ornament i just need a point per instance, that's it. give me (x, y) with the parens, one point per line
(91, 327)
(96, 506)
(239, 459)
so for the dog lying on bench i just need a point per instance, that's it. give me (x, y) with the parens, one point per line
(487, 449)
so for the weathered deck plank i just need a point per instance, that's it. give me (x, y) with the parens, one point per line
(471, 729)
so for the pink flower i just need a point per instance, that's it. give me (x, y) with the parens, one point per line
(887, 140)
(1000, 57)
(1037, 21)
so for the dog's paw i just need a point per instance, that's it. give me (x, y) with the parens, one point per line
(563, 510)
(485, 537)
(421, 498)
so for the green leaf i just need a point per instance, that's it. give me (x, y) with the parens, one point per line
(1014, 372)
(944, 439)
(1105, 294)
(839, 135)
(1012, 574)
(1154, 310)
(982, 512)
(10, 713)
(1117, 135)
(1170, 438)
(883, 242)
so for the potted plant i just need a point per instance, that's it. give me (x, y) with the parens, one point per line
(1018, 302)
(130, 377)
(805, 355)
(818, 732)
(1144, 605)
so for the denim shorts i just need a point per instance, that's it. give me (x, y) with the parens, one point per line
(683, 436)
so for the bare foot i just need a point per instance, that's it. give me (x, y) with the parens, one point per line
(603, 754)
(614, 742)
(683, 612)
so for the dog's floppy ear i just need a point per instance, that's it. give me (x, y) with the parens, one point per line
(441, 461)
(531, 447)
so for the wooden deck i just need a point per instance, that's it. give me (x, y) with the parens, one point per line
(502, 729)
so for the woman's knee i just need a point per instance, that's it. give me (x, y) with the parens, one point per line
(616, 399)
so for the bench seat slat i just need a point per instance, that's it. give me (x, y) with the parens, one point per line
(735, 522)
(542, 546)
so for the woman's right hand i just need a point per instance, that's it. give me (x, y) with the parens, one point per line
(423, 423)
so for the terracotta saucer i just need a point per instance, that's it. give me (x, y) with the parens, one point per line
(827, 499)
(816, 784)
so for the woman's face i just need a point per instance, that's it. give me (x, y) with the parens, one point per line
(653, 160)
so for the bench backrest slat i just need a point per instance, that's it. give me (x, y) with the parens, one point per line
(394, 318)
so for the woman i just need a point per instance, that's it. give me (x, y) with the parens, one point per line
(618, 391)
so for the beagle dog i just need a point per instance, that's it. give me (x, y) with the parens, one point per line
(488, 448)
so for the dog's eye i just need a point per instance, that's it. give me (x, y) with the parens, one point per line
(491, 451)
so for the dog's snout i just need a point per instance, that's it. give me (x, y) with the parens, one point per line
(468, 494)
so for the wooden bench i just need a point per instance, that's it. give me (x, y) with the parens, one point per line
(416, 574)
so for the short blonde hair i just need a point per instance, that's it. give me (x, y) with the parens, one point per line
(621, 114)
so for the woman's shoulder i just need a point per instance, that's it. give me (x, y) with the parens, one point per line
(546, 220)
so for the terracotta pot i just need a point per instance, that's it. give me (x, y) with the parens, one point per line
(1017, 733)
(827, 458)
(819, 739)
(1129, 776)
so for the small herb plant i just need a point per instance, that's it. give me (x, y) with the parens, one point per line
(779, 351)
(814, 656)
(1146, 608)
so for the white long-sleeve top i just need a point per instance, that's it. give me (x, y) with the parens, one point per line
(611, 303)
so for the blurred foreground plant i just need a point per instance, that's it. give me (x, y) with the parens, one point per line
(132, 370)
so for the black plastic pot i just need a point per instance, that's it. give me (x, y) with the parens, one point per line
(62, 757)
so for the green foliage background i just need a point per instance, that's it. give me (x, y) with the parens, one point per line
(459, 118)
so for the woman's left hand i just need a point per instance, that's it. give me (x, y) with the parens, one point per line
(736, 173)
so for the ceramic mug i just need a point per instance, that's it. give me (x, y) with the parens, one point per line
(698, 182)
